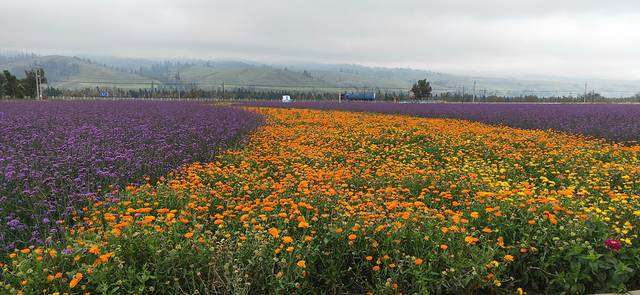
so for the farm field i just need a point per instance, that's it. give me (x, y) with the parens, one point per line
(616, 122)
(55, 157)
(327, 201)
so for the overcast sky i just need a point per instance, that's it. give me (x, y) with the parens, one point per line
(576, 38)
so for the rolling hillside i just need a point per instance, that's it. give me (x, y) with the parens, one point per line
(73, 73)
(241, 74)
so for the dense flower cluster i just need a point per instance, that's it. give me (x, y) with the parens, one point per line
(338, 202)
(617, 122)
(54, 156)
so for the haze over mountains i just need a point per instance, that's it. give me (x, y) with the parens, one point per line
(67, 72)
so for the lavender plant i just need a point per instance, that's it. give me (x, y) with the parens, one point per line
(616, 122)
(57, 156)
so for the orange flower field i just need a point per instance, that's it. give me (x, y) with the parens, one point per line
(338, 202)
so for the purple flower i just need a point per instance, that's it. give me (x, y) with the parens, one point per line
(618, 122)
(56, 157)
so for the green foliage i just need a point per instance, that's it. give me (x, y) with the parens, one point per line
(13, 86)
(3, 86)
(421, 89)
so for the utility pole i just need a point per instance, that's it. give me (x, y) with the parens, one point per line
(178, 86)
(474, 90)
(38, 95)
(585, 92)
(463, 93)
(39, 75)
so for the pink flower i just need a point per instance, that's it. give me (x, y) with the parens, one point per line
(613, 244)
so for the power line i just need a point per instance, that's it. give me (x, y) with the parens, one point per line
(214, 84)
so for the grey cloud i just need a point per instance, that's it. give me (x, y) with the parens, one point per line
(571, 37)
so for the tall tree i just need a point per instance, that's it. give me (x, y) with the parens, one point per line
(3, 86)
(421, 89)
(12, 85)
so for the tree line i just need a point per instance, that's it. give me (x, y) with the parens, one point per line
(12, 87)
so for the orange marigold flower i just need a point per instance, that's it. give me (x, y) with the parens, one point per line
(105, 257)
(94, 250)
(339, 230)
(76, 279)
(25, 251)
(303, 224)
(471, 240)
(444, 247)
(188, 235)
(301, 263)
(369, 258)
(487, 230)
(418, 261)
(376, 268)
(274, 232)
(352, 237)
(508, 257)
(287, 239)
(475, 214)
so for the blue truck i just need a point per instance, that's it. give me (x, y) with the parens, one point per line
(358, 96)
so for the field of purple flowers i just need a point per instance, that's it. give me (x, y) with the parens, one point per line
(616, 122)
(56, 156)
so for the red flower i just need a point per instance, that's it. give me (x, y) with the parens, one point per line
(613, 244)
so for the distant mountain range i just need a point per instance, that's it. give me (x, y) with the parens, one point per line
(102, 71)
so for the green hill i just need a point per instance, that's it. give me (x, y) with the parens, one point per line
(74, 73)
(245, 75)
